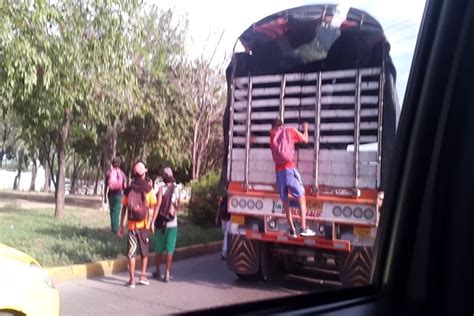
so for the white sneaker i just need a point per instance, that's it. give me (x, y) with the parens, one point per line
(292, 233)
(308, 232)
(144, 282)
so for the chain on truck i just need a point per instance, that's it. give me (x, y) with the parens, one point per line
(332, 69)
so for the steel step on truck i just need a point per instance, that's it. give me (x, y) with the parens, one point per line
(331, 69)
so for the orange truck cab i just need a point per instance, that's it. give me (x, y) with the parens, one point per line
(333, 70)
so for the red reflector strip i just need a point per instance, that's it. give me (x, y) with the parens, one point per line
(344, 245)
(309, 242)
(339, 245)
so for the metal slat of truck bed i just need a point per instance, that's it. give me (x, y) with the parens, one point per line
(317, 131)
(347, 139)
(268, 79)
(274, 92)
(247, 133)
(348, 113)
(357, 129)
(337, 74)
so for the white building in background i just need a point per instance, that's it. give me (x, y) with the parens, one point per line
(8, 177)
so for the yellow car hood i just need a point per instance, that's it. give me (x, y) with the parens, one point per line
(7, 252)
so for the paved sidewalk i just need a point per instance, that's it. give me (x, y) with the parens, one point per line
(198, 283)
(109, 267)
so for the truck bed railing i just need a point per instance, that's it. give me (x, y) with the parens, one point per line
(343, 108)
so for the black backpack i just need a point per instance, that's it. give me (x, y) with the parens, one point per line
(164, 215)
(136, 206)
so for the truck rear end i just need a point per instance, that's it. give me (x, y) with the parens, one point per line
(340, 166)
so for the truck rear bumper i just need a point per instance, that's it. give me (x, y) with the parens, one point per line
(313, 242)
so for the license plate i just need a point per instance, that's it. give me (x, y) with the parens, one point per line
(237, 219)
(315, 206)
(363, 232)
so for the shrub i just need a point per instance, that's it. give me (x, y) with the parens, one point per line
(204, 199)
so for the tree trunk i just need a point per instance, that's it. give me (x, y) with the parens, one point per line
(34, 171)
(47, 178)
(44, 161)
(16, 182)
(56, 182)
(6, 132)
(53, 178)
(195, 149)
(61, 180)
(202, 148)
(76, 167)
(110, 148)
(97, 176)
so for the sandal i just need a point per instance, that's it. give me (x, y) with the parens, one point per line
(130, 285)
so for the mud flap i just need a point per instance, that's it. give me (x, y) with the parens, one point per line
(355, 266)
(243, 255)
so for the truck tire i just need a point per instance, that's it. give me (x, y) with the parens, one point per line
(249, 277)
(355, 266)
(265, 271)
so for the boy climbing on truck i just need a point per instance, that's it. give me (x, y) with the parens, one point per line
(288, 179)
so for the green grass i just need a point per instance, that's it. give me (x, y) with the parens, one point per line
(83, 235)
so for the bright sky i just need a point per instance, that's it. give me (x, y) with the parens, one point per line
(209, 18)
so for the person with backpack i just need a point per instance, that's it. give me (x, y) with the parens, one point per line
(288, 179)
(223, 215)
(115, 182)
(138, 198)
(165, 228)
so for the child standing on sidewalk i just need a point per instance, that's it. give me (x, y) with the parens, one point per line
(138, 198)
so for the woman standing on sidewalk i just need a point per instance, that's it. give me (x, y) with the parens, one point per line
(165, 234)
(115, 183)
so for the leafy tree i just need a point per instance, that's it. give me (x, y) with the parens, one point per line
(8, 133)
(208, 104)
(162, 127)
(204, 199)
(87, 79)
(59, 58)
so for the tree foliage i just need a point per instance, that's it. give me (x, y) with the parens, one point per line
(90, 79)
(56, 55)
(204, 199)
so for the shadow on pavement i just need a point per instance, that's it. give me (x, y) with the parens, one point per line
(217, 275)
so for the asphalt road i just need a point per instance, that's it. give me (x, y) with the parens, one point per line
(198, 283)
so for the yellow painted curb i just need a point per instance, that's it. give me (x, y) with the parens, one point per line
(108, 267)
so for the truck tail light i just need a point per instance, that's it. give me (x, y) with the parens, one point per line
(369, 213)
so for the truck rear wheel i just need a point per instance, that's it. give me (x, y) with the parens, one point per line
(243, 256)
(355, 266)
(265, 270)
